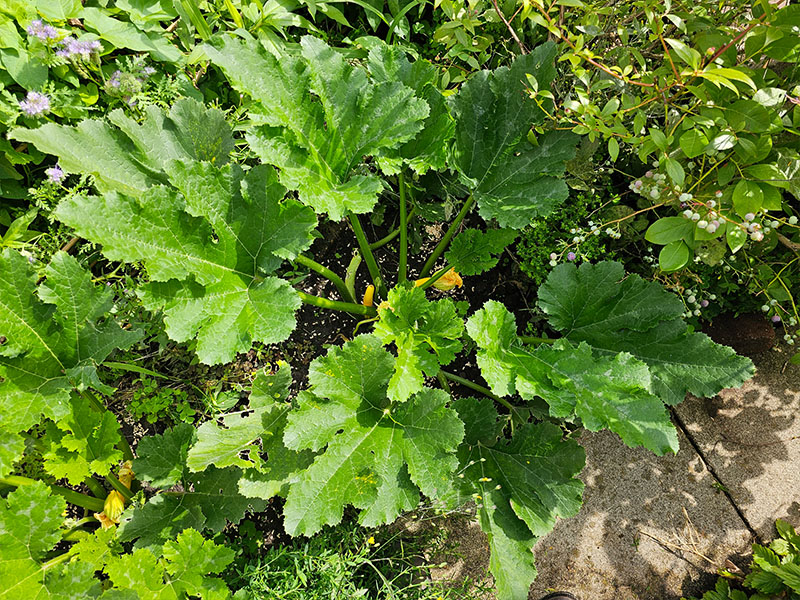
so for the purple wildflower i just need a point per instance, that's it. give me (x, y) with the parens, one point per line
(703, 303)
(148, 71)
(570, 256)
(776, 318)
(39, 30)
(55, 174)
(76, 48)
(35, 103)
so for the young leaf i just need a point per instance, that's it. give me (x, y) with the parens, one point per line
(513, 180)
(161, 458)
(378, 453)
(30, 521)
(520, 486)
(597, 304)
(425, 333)
(133, 156)
(53, 342)
(209, 252)
(322, 116)
(472, 251)
(604, 392)
(428, 149)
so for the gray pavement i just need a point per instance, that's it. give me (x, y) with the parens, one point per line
(659, 528)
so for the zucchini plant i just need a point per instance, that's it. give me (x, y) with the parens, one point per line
(377, 428)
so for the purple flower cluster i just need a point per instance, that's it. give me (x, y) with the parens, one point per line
(72, 48)
(35, 104)
(41, 31)
(55, 174)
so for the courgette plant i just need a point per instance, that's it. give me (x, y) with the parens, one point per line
(333, 136)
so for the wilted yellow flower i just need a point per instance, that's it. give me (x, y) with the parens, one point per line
(126, 474)
(385, 305)
(114, 505)
(105, 522)
(446, 282)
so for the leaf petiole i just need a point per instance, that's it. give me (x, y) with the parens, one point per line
(451, 231)
(369, 257)
(344, 292)
(356, 309)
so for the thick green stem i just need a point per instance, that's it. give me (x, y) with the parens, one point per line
(532, 339)
(478, 388)
(403, 268)
(94, 487)
(119, 486)
(327, 274)
(393, 234)
(352, 271)
(71, 496)
(56, 560)
(435, 277)
(369, 258)
(356, 309)
(451, 231)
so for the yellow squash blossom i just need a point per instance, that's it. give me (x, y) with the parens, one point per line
(445, 283)
(126, 474)
(114, 505)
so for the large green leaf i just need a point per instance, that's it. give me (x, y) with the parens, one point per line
(209, 251)
(208, 500)
(161, 459)
(426, 335)
(182, 571)
(321, 116)
(247, 435)
(53, 342)
(520, 486)
(599, 305)
(133, 156)
(377, 454)
(513, 180)
(30, 521)
(428, 149)
(604, 392)
(473, 251)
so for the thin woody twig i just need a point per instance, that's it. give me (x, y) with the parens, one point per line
(510, 28)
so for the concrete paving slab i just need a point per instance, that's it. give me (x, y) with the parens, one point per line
(650, 528)
(750, 438)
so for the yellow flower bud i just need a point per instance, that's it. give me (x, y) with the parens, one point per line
(114, 505)
(368, 295)
(105, 522)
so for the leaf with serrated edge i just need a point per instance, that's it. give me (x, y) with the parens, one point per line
(376, 454)
(520, 487)
(597, 304)
(133, 157)
(209, 252)
(425, 333)
(161, 458)
(322, 116)
(51, 348)
(604, 392)
(513, 181)
(473, 251)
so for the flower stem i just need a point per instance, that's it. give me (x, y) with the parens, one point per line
(356, 309)
(119, 486)
(327, 274)
(94, 487)
(71, 496)
(478, 388)
(352, 270)
(532, 339)
(435, 277)
(366, 253)
(402, 272)
(451, 231)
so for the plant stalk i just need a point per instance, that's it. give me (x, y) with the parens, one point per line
(435, 277)
(94, 487)
(327, 274)
(392, 234)
(369, 258)
(451, 231)
(71, 496)
(402, 272)
(356, 309)
(119, 486)
(478, 388)
(352, 270)
(532, 339)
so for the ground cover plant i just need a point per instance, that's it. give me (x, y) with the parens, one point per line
(206, 216)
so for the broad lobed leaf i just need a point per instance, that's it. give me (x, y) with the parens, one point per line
(599, 305)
